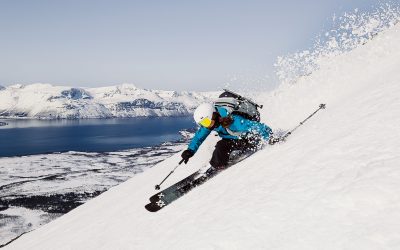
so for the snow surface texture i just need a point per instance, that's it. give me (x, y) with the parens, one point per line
(333, 185)
(45, 101)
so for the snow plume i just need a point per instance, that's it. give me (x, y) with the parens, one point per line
(349, 31)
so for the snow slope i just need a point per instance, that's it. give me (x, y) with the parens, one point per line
(335, 184)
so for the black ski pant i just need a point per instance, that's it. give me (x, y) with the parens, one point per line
(225, 147)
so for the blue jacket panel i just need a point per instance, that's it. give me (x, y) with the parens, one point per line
(240, 128)
(198, 138)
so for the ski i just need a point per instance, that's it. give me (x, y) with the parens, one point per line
(177, 190)
(172, 193)
(187, 180)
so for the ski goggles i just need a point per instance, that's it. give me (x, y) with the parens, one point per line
(206, 122)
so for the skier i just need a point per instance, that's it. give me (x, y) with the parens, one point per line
(236, 119)
(236, 131)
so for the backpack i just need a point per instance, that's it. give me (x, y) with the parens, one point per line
(237, 104)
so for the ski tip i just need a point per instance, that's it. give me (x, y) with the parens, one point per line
(151, 207)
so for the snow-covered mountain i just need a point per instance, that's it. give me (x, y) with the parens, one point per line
(126, 100)
(335, 184)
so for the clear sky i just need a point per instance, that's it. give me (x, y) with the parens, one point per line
(170, 44)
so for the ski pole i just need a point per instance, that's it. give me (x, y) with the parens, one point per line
(321, 106)
(158, 186)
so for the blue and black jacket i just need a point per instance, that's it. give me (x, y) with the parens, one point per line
(240, 128)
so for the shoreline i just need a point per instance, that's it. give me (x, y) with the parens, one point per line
(88, 135)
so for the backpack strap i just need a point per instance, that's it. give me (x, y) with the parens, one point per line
(233, 133)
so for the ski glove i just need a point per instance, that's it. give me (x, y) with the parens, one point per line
(186, 155)
(272, 140)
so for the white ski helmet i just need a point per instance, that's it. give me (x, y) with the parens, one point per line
(203, 114)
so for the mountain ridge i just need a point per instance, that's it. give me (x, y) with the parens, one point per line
(46, 101)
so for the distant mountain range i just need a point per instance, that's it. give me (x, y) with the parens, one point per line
(45, 101)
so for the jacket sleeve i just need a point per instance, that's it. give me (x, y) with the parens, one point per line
(198, 138)
(259, 128)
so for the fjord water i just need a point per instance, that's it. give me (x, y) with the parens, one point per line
(27, 137)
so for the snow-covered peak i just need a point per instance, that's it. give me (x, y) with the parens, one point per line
(37, 86)
(123, 92)
(127, 86)
(124, 89)
(16, 86)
